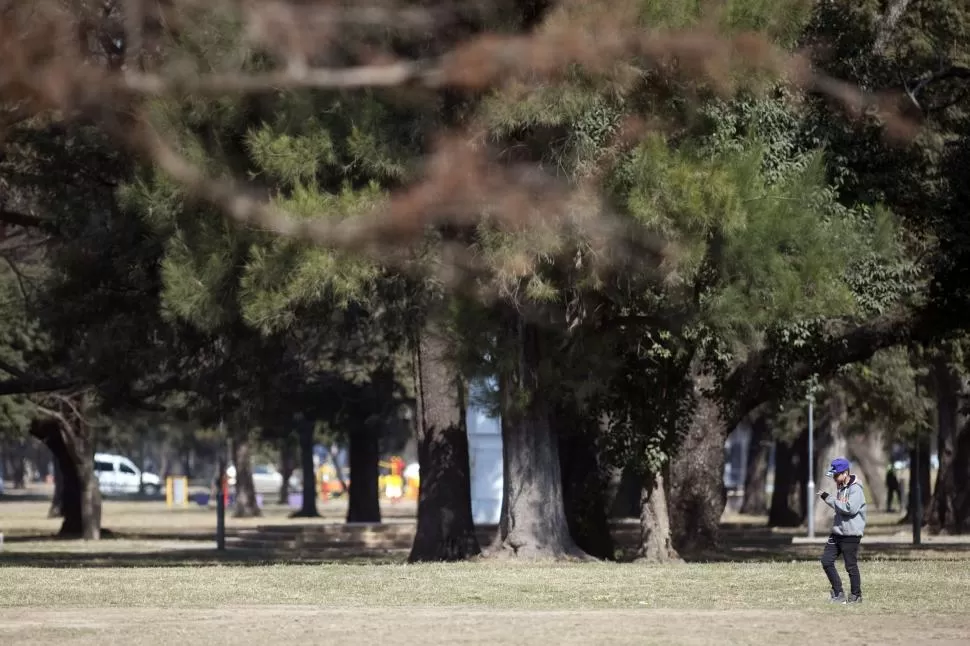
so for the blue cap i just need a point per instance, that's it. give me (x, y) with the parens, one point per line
(838, 466)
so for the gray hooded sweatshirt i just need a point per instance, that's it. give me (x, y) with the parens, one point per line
(849, 504)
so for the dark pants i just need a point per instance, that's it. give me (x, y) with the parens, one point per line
(848, 548)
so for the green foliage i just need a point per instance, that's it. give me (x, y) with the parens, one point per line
(891, 391)
(281, 275)
(292, 160)
(777, 253)
(781, 20)
(761, 244)
(20, 338)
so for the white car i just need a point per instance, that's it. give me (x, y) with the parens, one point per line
(117, 475)
(266, 478)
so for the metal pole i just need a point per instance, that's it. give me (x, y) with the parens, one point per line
(811, 466)
(917, 499)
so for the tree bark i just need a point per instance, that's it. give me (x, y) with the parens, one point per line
(957, 520)
(782, 513)
(533, 522)
(445, 530)
(246, 506)
(80, 498)
(755, 479)
(364, 505)
(309, 507)
(697, 492)
(830, 442)
(919, 460)
(941, 513)
(585, 484)
(656, 544)
(287, 467)
(868, 450)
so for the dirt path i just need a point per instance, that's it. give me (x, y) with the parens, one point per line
(306, 624)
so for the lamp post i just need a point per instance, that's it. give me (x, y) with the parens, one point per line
(811, 465)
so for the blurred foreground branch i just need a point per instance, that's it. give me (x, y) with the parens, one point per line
(40, 67)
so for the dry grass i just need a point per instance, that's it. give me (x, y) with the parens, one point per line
(181, 592)
(907, 602)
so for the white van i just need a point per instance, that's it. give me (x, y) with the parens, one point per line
(117, 475)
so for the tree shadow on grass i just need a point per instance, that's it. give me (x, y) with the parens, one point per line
(186, 558)
(137, 535)
(761, 544)
(739, 545)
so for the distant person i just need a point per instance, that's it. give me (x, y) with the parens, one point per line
(893, 488)
(848, 526)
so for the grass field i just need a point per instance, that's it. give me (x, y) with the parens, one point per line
(162, 596)
(477, 603)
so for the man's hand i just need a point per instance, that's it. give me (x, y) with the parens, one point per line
(823, 495)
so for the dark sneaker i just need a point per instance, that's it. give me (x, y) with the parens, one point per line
(854, 598)
(837, 598)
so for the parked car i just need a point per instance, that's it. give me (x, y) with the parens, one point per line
(266, 478)
(117, 475)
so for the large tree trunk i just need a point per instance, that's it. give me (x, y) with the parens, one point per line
(830, 442)
(80, 496)
(697, 492)
(533, 520)
(445, 530)
(957, 505)
(799, 494)
(656, 545)
(287, 466)
(756, 478)
(585, 483)
(941, 513)
(782, 512)
(919, 460)
(309, 507)
(246, 506)
(364, 505)
(868, 450)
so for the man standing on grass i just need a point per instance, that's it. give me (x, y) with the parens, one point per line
(848, 526)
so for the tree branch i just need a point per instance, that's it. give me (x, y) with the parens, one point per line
(13, 370)
(27, 220)
(21, 279)
(915, 86)
(25, 384)
(293, 78)
(34, 386)
(765, 373)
